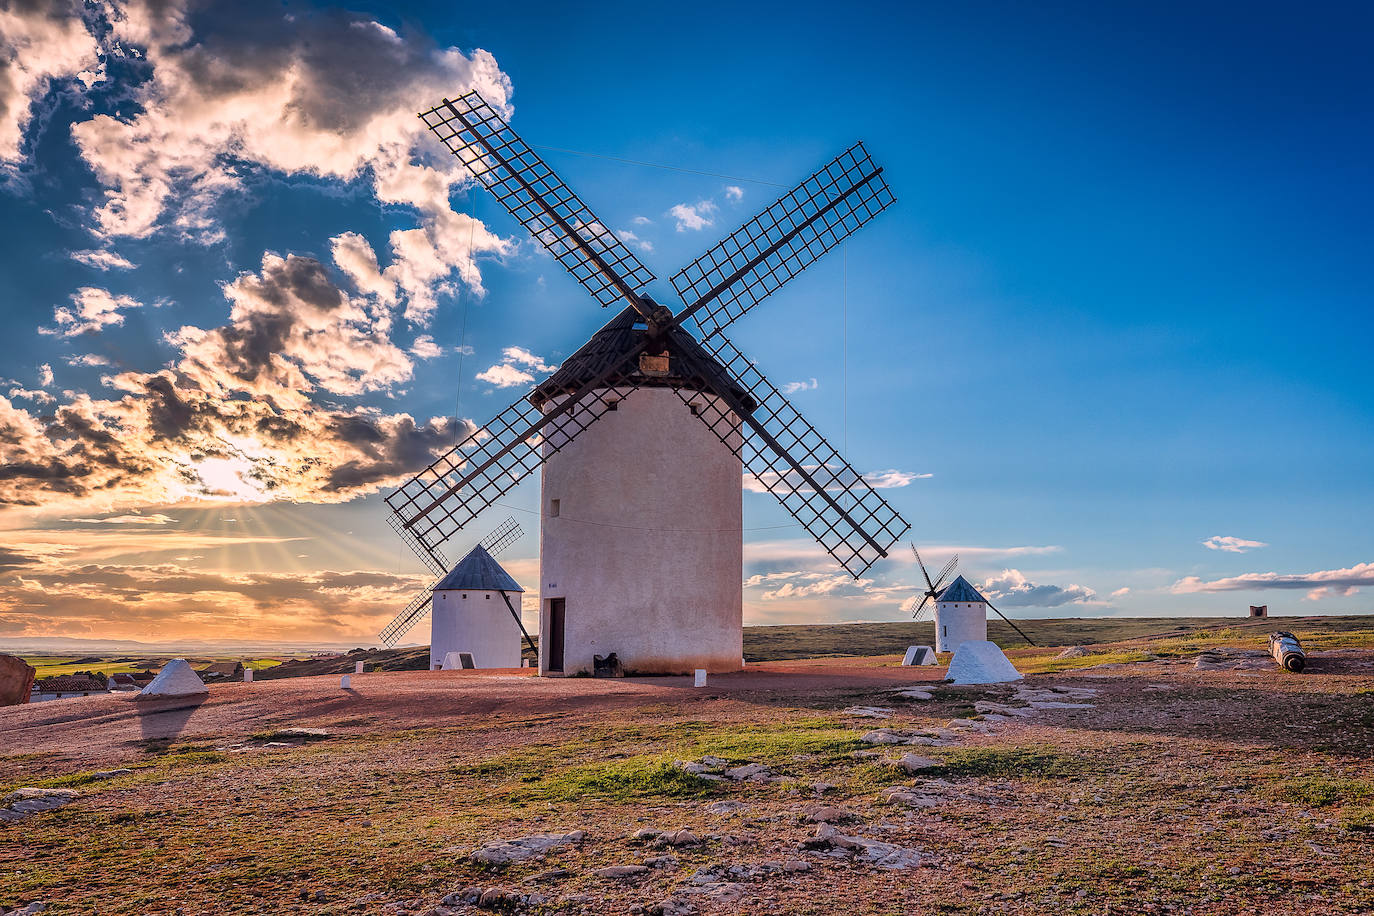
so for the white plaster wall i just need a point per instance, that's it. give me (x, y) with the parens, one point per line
(476, 622)
(647, 548)
(959, 621)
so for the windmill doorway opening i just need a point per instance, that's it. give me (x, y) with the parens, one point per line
(555, 640)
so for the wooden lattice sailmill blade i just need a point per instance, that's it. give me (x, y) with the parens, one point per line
(516, 176)
(930, 586)
(1012, 625)
(413, 614)
(782, 241)
(949, 568)
(791, 460)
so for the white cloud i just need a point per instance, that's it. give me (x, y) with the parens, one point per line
(831, 477)
(92, 309)
(505, 375)
(1121, 592)
(40, 43)
(424, 347)
(734, 193)
(102, 259)
(693, 217)
(641, 221)
(29, 394)
(794, 387)
(45, 377)
(516, 368)
(292, 329)
(156, 518)
(1231, 544)
(1344, 581)
(88, 359)
(634, 241)
(1013, 589)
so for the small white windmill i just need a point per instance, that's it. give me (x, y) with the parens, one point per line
(465, 619)
(961, 611)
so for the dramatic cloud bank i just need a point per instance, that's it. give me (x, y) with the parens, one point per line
(261, 406)
(1012, 589)
(235, 416)
(47, 594)
(1318, 584)
(324, 94)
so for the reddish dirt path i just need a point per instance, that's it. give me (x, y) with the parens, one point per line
(108, 728)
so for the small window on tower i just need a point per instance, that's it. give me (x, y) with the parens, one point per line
(553, 508)
(696, 410)
(613, 405)
(488, 597)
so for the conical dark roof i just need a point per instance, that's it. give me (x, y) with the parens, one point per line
(478, 572)
(961, 590)
(616, 339)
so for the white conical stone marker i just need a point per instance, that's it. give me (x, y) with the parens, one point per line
(248, 675)
(176, 679)
(357, 667)
(701, 678)
(344, 682)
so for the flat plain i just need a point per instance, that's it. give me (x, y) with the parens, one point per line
(1132, 779)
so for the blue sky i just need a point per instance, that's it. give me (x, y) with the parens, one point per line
(1120, 308)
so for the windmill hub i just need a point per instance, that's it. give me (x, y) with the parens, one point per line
(641, 535)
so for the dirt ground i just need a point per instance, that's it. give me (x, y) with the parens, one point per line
(1141, 786)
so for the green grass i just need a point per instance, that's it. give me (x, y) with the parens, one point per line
(778, 742)
(1322, 791)
(53, 665)
(1360, 818)
(1055, 665)
(1007, 763)
(618, 780)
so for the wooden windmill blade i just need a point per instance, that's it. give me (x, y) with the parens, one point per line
(782, 241)
(502, 536)
(515, 175)
(440, 500)
(414, 612)
(798, 466)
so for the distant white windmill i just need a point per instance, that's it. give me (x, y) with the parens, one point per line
(961, 611)
(471, 625)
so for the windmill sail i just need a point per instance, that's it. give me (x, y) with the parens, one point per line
(538, 198)
(804, 472)
(782, 241)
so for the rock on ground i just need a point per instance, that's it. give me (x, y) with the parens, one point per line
(23, 802)
(504, 852)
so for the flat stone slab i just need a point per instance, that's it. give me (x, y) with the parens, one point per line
(504, 852)
(22, 802)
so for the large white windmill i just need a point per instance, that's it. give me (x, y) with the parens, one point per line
(641, 532)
